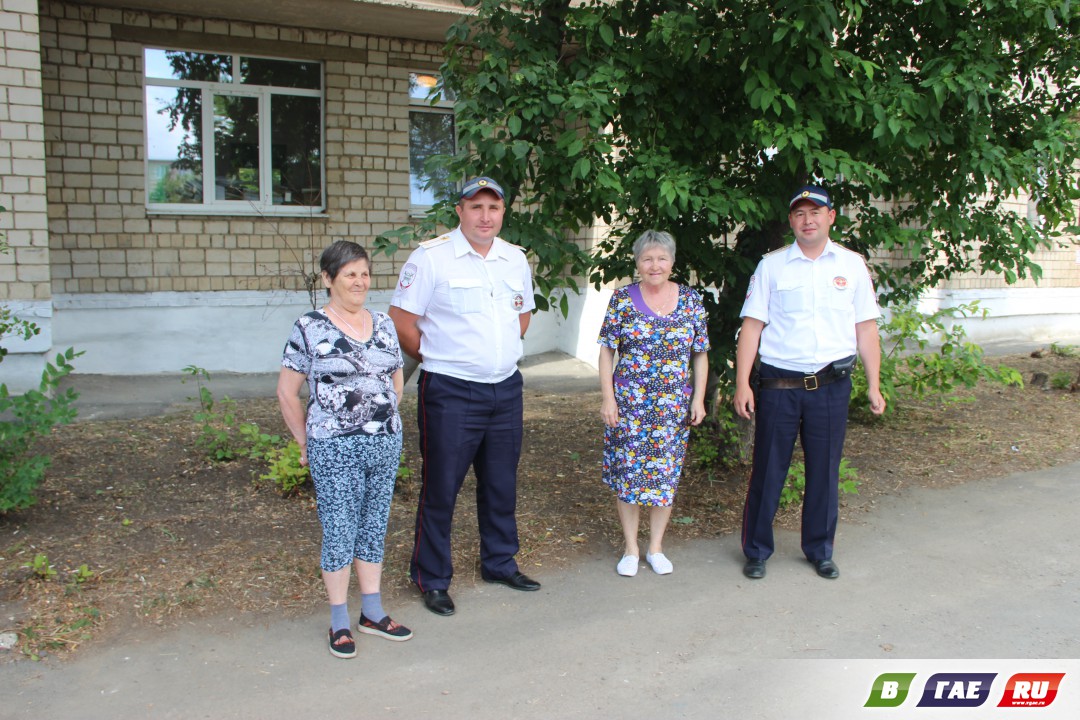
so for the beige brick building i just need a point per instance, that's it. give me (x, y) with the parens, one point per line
(153, 225)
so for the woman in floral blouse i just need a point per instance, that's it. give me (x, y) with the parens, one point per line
(658, 330)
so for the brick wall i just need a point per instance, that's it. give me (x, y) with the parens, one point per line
(24, 271)
(102, 238)
(1060, 264)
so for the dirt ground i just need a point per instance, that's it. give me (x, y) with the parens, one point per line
(141, 530)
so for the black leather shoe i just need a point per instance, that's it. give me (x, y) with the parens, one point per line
(754, 569)
(439, 602)
(826, 569)
(518, 581)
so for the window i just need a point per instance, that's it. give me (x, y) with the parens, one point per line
(431, 132)
(232, 133)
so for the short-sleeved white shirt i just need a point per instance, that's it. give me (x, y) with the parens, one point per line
(469, 306)
(810, 307)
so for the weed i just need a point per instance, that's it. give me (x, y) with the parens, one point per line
(82, 574)
(41, 567)
(1061, 380)
(795, 484)
(204, 582)
(256, 444)
(1065, 351)
(285, 470)
(218, 418)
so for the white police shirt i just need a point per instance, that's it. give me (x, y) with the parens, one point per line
(469, 306)
(810, 307)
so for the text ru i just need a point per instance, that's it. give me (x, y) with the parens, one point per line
(1034, 690)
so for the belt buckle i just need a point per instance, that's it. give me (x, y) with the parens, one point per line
(807, 384)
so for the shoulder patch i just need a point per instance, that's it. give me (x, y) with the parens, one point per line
(435, 242)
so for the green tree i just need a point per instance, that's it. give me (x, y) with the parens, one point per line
(922, 118)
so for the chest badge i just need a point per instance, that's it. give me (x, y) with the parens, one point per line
(840, 282)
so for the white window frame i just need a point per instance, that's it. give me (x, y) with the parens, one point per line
(265, 204)
(444, 106)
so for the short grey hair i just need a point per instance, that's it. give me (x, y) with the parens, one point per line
(654, 238)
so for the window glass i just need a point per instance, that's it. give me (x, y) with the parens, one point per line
(236, 148)
(431, 132)
(173, 148)
(282, 73)
(179, 65)
(243, 142)
(296, 150)
(426, 89)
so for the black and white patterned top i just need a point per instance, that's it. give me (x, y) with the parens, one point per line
(351, 382)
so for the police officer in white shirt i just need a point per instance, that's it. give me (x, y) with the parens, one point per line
(461, 307)
(810, 308)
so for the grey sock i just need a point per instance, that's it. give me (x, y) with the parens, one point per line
(371, 606)
(339, 617)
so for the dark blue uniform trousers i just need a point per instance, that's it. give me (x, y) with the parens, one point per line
(465, 423)
(819, 419)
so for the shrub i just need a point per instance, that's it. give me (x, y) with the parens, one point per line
(32, 416)
(908, 366)
(722, 440)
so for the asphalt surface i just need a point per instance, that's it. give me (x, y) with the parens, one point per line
(983, 577)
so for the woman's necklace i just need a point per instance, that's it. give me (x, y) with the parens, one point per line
(666, 305)
(363, 323)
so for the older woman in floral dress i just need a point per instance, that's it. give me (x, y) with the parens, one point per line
(657, 328)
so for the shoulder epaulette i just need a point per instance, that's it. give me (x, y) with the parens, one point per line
(435, 242)
(859, 255)
(773, 252)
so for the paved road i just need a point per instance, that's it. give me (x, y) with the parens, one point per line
(983, 577)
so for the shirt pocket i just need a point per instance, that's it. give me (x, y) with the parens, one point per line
(466, 295)
(793, 298)
(514, 297)
(840, 297)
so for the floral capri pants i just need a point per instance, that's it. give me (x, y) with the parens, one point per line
(354, 482)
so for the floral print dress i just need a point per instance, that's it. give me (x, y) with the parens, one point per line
(643, 454)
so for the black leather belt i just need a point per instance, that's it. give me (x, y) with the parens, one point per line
(827, 375)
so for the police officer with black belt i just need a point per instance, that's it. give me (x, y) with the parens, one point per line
(810, 308)
(462, 305)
